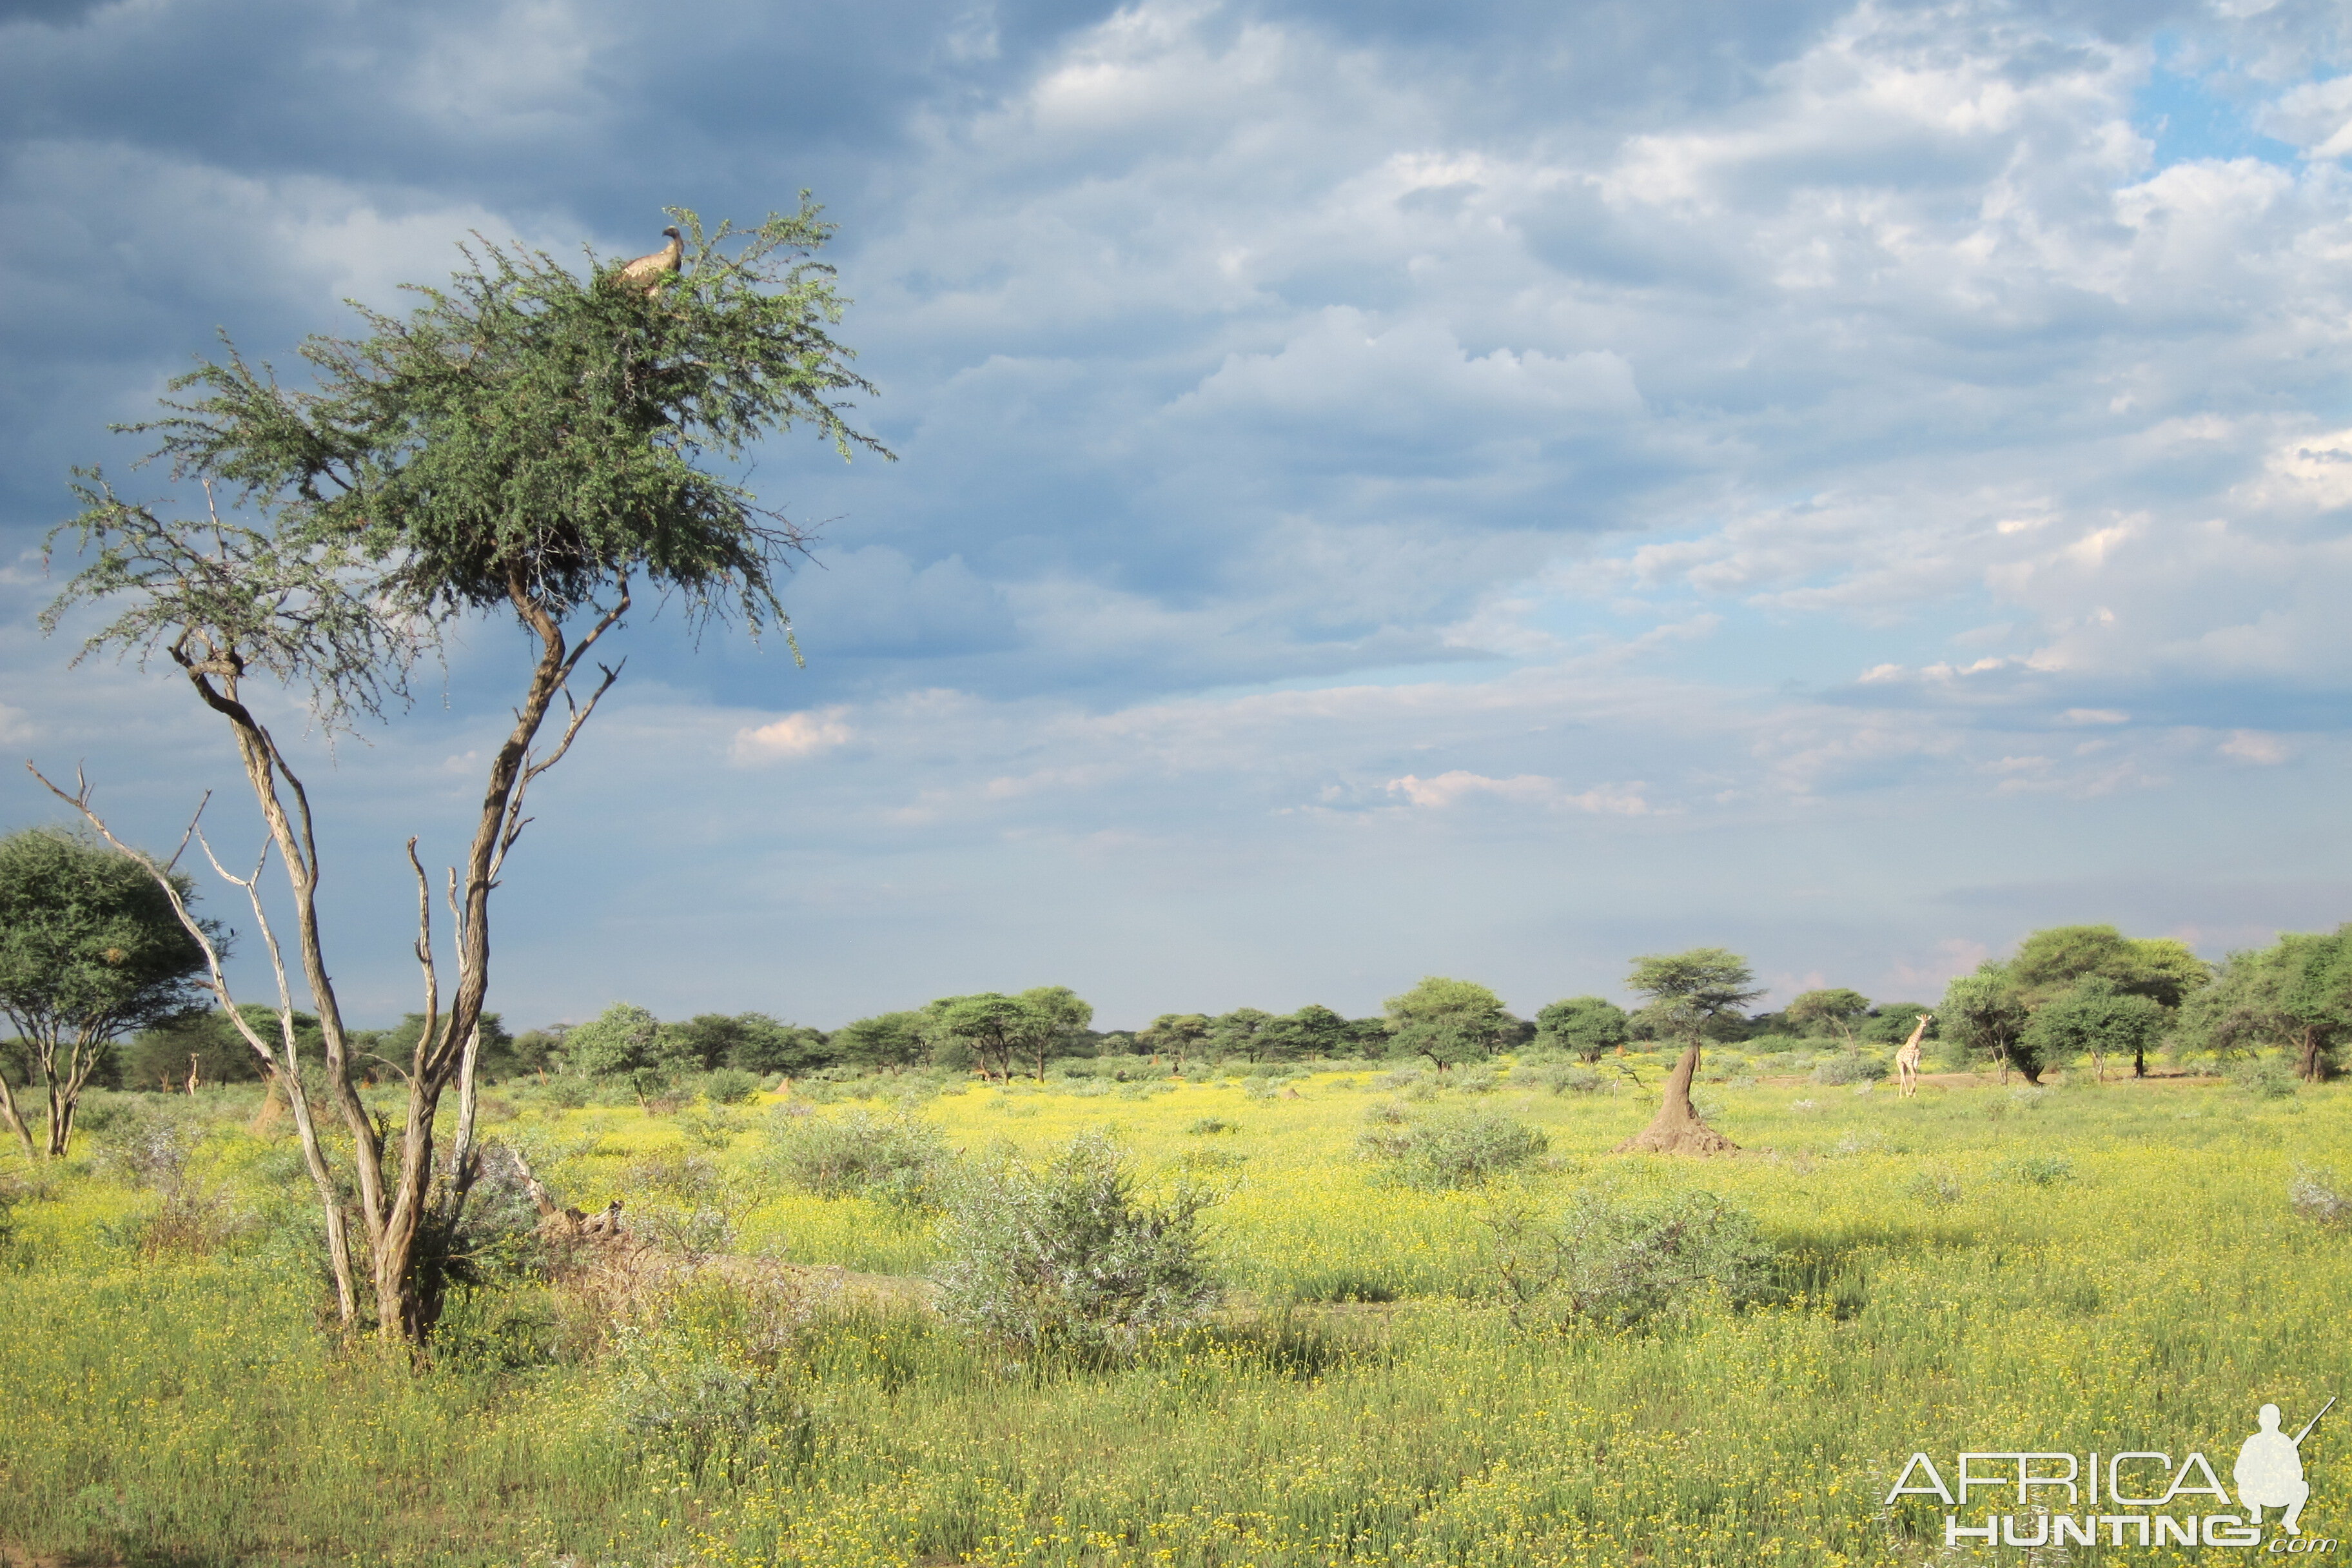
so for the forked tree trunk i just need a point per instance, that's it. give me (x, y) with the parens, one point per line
(1676, 1128)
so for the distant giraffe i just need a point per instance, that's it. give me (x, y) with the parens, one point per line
(1906, 1060)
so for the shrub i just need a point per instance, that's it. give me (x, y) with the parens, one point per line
(1937, 1189)
(701, 1376)
(2041, 1170)
(2266, 1078)
(1461, 1149)
(1071, 1259)
(730, 1086)
(1614, 1262)
(1850, 1066)
(890, 1156)
(1207, 1124)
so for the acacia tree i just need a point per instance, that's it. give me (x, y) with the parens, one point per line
(1448, 1021)
(989, 1023)
(527, 442)
(90, 948)
(1837, 1007)
(1688, 991)
(1175, 1035)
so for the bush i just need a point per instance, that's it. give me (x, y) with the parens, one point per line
(2265, 1077)
(730, 1086)
(891, 1156)
(1070, 1259)
(1458, 1150)
(1850, 1066)
(1208, 1124)
(702, 1376)
(2041, 1170)
(1614, 1262)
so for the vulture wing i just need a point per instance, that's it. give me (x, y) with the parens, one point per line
(650, 270)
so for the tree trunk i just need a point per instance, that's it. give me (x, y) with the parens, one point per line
(15, 1119)
(1676, 1128)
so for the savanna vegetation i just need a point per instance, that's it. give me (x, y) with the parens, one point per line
(917, 1307)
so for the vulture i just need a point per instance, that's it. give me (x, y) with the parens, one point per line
(650, 270)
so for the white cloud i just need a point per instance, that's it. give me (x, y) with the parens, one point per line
(792, 736)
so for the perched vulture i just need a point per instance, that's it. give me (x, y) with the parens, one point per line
(650, 270)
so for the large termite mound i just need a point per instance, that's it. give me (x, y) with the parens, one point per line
(1676, 1128)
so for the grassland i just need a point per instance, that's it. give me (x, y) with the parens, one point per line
(1986, 1267)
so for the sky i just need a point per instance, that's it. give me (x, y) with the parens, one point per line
(1489, 490)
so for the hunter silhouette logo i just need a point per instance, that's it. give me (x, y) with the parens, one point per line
(2057, 1498)
(2269, 1471)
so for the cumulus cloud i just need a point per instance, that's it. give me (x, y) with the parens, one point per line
(792, 736)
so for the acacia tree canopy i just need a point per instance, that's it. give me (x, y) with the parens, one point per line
(1448, 1021)
(90, 948)
(1692, 989)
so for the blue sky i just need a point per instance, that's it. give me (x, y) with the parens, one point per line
(1489, 490)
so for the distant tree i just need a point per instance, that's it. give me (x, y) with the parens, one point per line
(2050, 960)
(1238, 1033)
(1448, 1021)
(1986, 1014)
(1054, 1023)
(1586, 1026)
(1837, 1010)
(532, 1051)
(206, 1043)
(1691, 990)
(2097, 1018)
(1891, 1022)
(746, 1042)
(91, 948)
(1311, 1032)
(1175, 1035)
(1368, 1037)
(623, 1039)
(987, 1024)
(2295, 995)
(891, 1040)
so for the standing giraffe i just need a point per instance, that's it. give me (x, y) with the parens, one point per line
(1906, 1060)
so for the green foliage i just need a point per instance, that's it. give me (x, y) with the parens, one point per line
(1984, 1013)
(1238, 1033)
(747, 1041)
(90, 948)
(891, 1156)
(2265, 1077)
(158, 1058)
(885, 1040)
(1891, 1022)
(624, 1038)
(2296, 995)
(703, 1377)
(1454, 1148)
(1837, 1010)
(1692, 990)
(2050, 960)
(1849, 1067)
(2093, 1016)
(1071, 1258)
(1448, 1021)
(1614, 1261)
(730, 1086)
(1176, 1035)
(1588, 1026)
(2045, 1170)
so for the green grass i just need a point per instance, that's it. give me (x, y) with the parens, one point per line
(2090, 1268)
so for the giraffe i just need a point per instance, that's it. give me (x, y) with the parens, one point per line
(1906, 1060)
